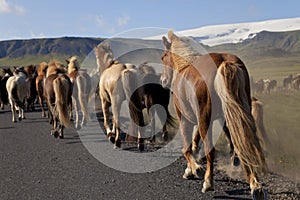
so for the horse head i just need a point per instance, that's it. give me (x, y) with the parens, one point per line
(104, 56)
(20, 71)
(167, 71)
(73, 64)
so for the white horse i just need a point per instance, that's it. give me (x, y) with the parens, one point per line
(17, 89)
(81, 90)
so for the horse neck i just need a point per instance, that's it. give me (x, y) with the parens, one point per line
(104, 63)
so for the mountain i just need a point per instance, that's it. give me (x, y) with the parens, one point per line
(259, 43)
(37, 50)
(235, 33)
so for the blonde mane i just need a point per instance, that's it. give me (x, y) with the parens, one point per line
(73, 64)
(55, 67)
(183, 52)
(104, 56)
(42, 68)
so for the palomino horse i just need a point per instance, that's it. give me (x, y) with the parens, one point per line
(198, 82)
(112, 93)
(82, 87)
(39, 83)
(17, 89)
(3, 91)
(119, 82)
(58, 90)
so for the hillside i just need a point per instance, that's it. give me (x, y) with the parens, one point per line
(22, 52)
(266, 49)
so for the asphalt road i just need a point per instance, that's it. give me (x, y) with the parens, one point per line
(35, 165)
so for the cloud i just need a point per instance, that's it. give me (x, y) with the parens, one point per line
(6, 8)
(104, 24)
(123, 20)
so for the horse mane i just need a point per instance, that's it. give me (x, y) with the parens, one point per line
(146, 68)
(55, 67)
(104, 56)
(182, 51)
(42, 68)
(73, 64)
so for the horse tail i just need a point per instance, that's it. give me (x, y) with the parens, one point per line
(83, 95)
(132, 93)
(61, 88)
(130, 86)
(15, 96)
(230, 85)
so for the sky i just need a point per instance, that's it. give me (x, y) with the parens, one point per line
(26, 19)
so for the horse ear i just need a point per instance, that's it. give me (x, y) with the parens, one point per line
(67, 61)
(166, 43)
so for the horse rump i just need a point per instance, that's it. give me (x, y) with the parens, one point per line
(62, 87)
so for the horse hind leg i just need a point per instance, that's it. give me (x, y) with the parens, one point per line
(105, 110)
(193, 168)
(234, 158)
(257, 192)
(61, 132)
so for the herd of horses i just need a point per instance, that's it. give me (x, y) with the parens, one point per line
(204, 88)
(289, 83)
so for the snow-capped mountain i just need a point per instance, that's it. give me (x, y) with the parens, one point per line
(234, 33)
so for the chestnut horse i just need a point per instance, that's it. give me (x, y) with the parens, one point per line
(82, 87)
(205, 87)
(58, 90)
(39, 83)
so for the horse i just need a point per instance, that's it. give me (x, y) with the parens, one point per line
(17, 90)
(287, 81)
(154, 93)
(258, 86)
(39, 83)
(257, 113)
(58, 90)
(3, 91)
(82, 87)
(32, 74)
(197, 81)
(120, 82)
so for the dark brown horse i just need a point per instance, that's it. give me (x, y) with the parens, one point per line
(206, 87)
(6, 73)
(119, 82)
(58, 90)
(32, 74)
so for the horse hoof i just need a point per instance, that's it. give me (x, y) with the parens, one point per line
(20, 118)
(61, 136)
(207, 187)
(55, 134)
(111, 139)
(141, 147)
(188, 174)
(235, 161)
(259, 194)
(200, 173)
(118, 143)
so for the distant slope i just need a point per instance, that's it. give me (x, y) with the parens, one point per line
(266, 49)
(22, 52)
